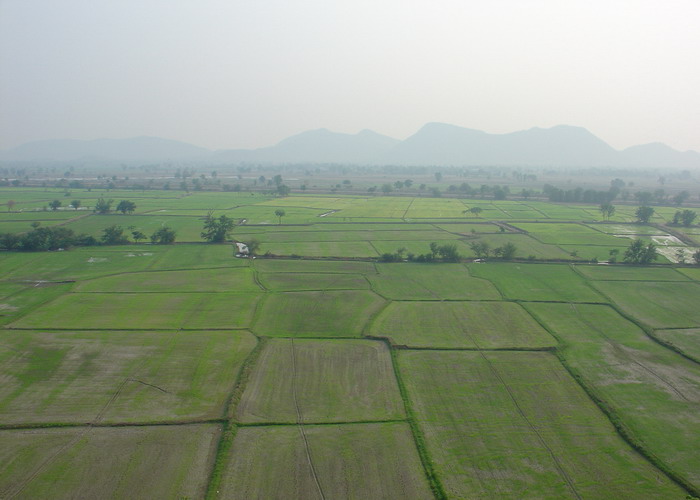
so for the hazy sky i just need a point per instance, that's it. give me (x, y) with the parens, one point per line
(243, 74)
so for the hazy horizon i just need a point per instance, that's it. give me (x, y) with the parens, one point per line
(228, 75)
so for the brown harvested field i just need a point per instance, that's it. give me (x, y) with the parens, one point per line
(321, 381)
(108, 462)
(349, 461)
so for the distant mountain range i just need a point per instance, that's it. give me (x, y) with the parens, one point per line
(435, 144)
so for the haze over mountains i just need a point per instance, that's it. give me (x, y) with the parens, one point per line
(435, 144)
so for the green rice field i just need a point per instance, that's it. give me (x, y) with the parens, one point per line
(319, 369)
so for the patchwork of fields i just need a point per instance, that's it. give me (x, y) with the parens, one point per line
(180, 371)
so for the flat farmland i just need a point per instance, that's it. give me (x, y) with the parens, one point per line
(117, 462)
(627, 273)
(314, 266)
(112, 376)
(196, 257)
(473, 325)
(656, 304)
(94, 311)
(537, 282)
(516, 425)
(685, 339)
(526, 246)
(321, 248)
(654, 392)
(567, 234)
(236, 279)
(426, 281)
(349, 461)
(318, 381)
(18, 299)
(317, 314)
(81, 263)
(313, 281)
(187, 228)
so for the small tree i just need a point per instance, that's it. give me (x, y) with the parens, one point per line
(687, 217)
(113, 235)
(480, 248)
(508, 251)
(103, 206)
(476, 211)
(280, 213)
(10, 205)
(607, 210)
(138, 236)
(75, 204)
(696, 257)
(163, 236)
(126, 207)
(643, 214)
(638, 253)
(217, 230)
(283, 189)
(253, 246)
(613, 254)
(55, 204)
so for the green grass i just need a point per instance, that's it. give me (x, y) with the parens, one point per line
(143, 311)
(317, 314)
(350, 461)
(483, 325)
(80, 263)
(321, 248)
(657, 304)
(313, 266)
(126, 462)
(187, 228)
(567, 234)
(516, 425)
(630, 273)
(408, 281)
(686, 340)
(316, 281)
(652, 391)
(203, 280)
(18, 299)
(321, 381)
(548, 282)
(100, 376)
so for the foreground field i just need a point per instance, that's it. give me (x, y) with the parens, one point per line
(330, 461)
(515, 425)
(654, 392)
(100, 377)
(322, 381)
(126, 462)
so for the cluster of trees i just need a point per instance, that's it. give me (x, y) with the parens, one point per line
(438, 253)
(685, 217)
(58, 237)
(103, 206)
(44, 239)
(580, 195)
(483, 250)
(639, 253)
(216, 230)
(449, 253)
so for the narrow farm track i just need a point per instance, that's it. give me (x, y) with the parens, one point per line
(300, 421)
